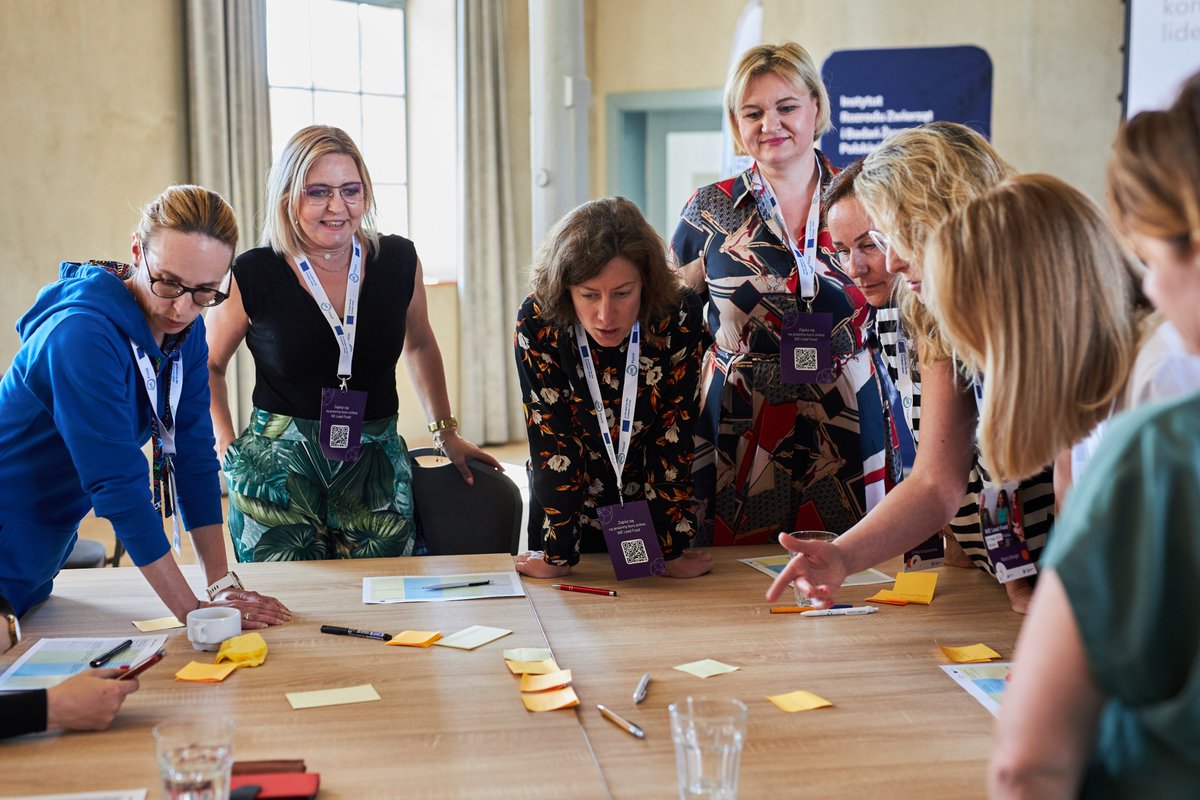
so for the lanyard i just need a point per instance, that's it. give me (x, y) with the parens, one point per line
(628, 397)
(904, 375)
(166, 433)
(344, 327)
(768, 207)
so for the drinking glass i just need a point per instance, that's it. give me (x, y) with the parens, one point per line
(708, 735)
(195, 757)
(821, 536)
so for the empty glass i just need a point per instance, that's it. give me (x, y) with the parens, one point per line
(708, 735)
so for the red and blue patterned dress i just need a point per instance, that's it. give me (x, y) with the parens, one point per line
(774, 456)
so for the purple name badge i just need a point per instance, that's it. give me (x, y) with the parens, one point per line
(341, 423)
(805, 347)
(927, 555)
(1004, 534)
(632, 542)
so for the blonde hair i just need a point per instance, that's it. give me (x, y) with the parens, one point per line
(1033, 289)
(285, 187)
(1154, 173)
(582, 243)
(189, 209)
(789, 61)
(910, 185)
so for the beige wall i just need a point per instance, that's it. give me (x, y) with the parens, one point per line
(92, 117)
(1057, 65)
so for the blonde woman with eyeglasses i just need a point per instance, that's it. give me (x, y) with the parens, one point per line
(327, 307)
(112, 357)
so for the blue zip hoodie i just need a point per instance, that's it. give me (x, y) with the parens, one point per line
(74, 417)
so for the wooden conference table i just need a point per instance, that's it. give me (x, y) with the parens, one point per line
(451, 723)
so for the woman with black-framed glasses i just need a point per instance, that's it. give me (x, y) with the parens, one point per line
(112, 356)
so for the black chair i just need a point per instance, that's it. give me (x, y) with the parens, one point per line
(458, 519)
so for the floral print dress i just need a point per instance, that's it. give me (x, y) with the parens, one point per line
(571, 473)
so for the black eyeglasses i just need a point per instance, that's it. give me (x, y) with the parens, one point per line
(168, 289)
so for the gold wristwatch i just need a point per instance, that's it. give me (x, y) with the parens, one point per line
(440, 425)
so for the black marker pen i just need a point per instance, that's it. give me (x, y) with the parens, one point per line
(101, 660)
(337, 630)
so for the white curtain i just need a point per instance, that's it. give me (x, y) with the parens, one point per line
(230, 130)
(489, 285)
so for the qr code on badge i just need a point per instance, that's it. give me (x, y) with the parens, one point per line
(634, 551)
(805, 358)
(339, 436)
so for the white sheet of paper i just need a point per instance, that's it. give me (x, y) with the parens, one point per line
(51, 661)
(411, 588)
(472, 637)
(984, 682)
(773, 565)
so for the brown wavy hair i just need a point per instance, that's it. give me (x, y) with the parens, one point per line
(582, 243)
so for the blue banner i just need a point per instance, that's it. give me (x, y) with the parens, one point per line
(873, 93)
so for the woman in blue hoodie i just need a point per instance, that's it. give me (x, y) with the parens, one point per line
(111, 356)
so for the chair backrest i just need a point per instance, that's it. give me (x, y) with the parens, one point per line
(458, 519)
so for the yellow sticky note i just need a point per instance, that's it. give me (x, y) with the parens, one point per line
(472, 637)
(532, 667)
(705, 668)
(528, 654)
(415, 638)
(333, 697)
(246, 650)
(799, 701)
(969, 654)
(160, 624)
(887, 596)
(205, 673)
(540, 683)
(916, 587)
(549, 701)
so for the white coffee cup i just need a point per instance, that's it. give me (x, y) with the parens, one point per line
(208, 627)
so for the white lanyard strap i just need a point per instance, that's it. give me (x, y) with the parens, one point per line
(345, 326)
(904, 374)
(150, 379)
(628, 397)
(768, 206)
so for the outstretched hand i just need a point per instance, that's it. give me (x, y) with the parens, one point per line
(818, 570)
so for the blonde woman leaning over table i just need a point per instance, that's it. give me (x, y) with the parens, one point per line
(1106, 664)
(112, 356)
(917, 179)
(327, 306)
(782, 443)
(602, 291)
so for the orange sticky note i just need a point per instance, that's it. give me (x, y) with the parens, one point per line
(886, 596)
(916, 587)
(969, 654)
(415, 638)
(549, 701)
(205, 673)
(551, 680)
(531, 667)
(799, 701)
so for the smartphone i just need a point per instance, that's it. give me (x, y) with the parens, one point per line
(138, 669)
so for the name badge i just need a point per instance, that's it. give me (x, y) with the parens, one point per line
(1004, 533)
(341, 423)
(805, 348)
(632, 542)
(927, 555)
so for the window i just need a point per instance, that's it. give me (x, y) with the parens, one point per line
(342, 63)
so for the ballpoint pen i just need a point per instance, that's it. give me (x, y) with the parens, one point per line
(621, 722)
(566, 587)
(639, 694)
(338, 630)
(840, 612)
(456, 585)
(104, 658)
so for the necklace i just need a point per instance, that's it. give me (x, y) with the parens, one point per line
(332, 255)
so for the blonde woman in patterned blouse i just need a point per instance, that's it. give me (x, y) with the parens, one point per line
(604, 267)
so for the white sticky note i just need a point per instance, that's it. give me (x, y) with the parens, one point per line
(472, 637)
(333, 697)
